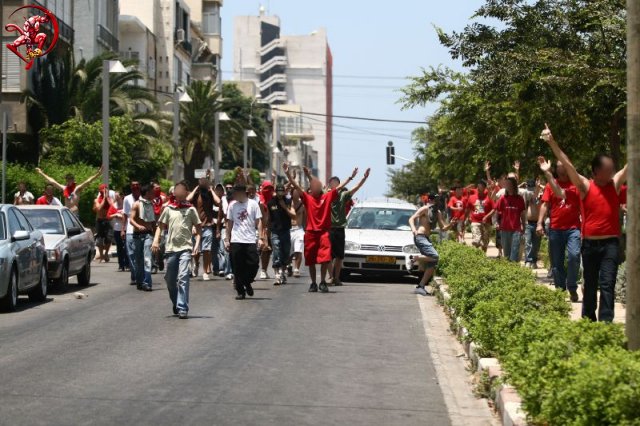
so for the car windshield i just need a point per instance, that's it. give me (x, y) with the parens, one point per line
(3, 234)
(45, 221)
(379, 218)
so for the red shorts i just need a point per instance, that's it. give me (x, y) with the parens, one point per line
(317, 247)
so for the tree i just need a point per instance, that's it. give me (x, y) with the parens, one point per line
(197, 126)
(131, 155)
(561, 61)
(61, 90)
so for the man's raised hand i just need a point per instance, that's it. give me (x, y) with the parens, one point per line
(546, 134)
(516, 165)
(545, 165)
(285, 167)
(487, 166)
(355, 172)
(366, 173)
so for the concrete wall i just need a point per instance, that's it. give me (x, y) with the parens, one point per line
(85, 19)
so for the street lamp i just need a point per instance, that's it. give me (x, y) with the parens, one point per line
(247, 134)
(178, 97)
(217, 154)
(108, 67)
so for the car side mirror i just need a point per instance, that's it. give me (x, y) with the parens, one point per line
(20, 236)
(72, 232)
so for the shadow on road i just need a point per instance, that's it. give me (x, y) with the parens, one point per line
(381, 279)
(56, 290)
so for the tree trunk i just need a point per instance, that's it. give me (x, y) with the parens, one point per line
(197, 160)
(633, 155)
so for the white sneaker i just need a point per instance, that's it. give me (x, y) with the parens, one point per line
(229, 277)
(264, 275)
(408, 262)
(221, 273)
(206, 277)
(420, 290)
(296, 273)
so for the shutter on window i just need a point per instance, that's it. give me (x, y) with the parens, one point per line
(11, 65)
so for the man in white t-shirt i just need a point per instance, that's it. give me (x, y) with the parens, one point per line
(127, 227)
(243, 218)
(23, 196)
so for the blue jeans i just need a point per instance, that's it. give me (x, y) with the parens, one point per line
(531, 243)
(561, 241)
(209, 242)
(511, 245)
(600, 259)
(223, 256)
(131, 248)
(142, 258)
(281, 245)
(121, 249)
(177, 274)
(427, 249)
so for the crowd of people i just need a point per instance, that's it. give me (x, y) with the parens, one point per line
(229, 231)
(582, 218)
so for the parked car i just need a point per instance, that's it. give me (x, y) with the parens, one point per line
(23, 259)
(378, 238)
(70, 246)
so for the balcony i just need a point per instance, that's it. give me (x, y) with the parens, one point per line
(185, 44)
(295, 129)
(278, 42)
(107, 39)
(273, 62)
(66, 32)
(276, 78)
(276, 97)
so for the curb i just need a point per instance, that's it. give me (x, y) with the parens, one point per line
(507, 401)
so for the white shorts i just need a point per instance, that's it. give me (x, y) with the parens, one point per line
(297, 240)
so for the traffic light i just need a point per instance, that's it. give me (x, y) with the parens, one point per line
(391, 154)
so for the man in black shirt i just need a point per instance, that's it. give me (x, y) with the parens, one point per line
(280, 215)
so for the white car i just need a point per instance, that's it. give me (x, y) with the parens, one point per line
(378, 238)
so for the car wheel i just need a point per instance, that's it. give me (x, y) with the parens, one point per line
(10, 300)
(63, 280)
(84, 277)
(39, 292)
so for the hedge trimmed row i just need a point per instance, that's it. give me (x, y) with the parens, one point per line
(567, 372)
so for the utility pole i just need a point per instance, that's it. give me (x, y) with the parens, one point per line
(633, 157)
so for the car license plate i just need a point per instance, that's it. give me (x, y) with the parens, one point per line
(381, 259)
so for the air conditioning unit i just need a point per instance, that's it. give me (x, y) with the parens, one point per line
(180, 35)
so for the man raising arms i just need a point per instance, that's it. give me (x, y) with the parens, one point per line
(71, 191)
(317, 247)
(601, 228)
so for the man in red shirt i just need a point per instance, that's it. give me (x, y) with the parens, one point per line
(600, 228)
(458, 205)
(480, 208)
(513, 211)
(317, 246)
(561, 199)
(47, 198)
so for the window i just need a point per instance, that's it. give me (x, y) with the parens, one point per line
(45, 220)
(11, 66)
(24, 223)
(109, 15)
(14, 224)
(68, 221)
(211, 18)
(3, 234)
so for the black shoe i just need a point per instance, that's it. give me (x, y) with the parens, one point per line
(240, 297)
(337, 283)
(574, 296)
(323, 287)
(249, 290)
(290, 270)
(147, 288)
(139, 286)
(132, 283)
(313, 288)
(175, 310)
(161, 266)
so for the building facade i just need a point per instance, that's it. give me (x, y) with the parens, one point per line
(289, 70)
(96, 24)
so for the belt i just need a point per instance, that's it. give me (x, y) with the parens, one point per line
(600, 242)
(140, 234)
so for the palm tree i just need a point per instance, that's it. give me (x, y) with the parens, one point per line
(61, 91)
(197, 127)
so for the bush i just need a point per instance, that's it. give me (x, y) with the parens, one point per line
(567, 372)
(621, 284)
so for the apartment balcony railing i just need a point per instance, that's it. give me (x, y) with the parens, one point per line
(185, 44)
(66, 32)
(109, 40)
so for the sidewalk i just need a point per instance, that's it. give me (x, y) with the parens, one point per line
(541, 274)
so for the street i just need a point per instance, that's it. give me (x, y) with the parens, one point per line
(357, 355)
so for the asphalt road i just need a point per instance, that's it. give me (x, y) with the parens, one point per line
(355, 356)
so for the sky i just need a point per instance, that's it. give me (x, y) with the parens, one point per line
(379, 42)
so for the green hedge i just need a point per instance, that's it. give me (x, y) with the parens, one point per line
(567, 372)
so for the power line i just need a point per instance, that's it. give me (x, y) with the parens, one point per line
(350, 117)
(365, 77)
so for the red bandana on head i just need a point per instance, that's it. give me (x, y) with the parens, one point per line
(266, 192)
(68, 190)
